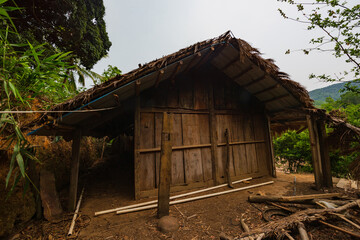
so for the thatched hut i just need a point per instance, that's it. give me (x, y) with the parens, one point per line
(213, 87)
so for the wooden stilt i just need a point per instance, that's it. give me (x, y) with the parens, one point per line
(325, 158)
(228, 176)
(213, 134)
(315, 150)
(165, 166)
(137, 144)
(74, 171)
(269, 141)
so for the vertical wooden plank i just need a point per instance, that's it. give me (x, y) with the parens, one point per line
(192, 157)
(239, 151)
(186, 94)
(158, 129)
(325, 158)
(165, 166)
(74, 170)
(177, 157)
(261, 149)
(213, 134)
(137, 147)
(229, 123)
(315, 151)
(221, 150)
(269, 143)
(147, 164)
(250, 148)
(200, 95)
(205, 152)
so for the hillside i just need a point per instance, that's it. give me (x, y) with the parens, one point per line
(330, 91)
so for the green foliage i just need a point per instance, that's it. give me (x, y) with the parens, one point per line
(340, 163)
(339, 22)
(110, 72)
(70, 26)
(27, 71)
(293, 148)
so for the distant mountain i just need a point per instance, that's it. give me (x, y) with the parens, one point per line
(330, 91)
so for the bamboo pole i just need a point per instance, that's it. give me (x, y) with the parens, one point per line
(340, 229)
(173, 197)
(75, 214)
(194, 198)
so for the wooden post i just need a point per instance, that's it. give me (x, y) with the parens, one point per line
(213, 134)
(165, 166)
(269, 142)
(325, 158)
(137, 141)
(315, 150)
(228, 176)
(74, 170)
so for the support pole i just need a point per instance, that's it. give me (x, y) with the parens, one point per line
(74, 170)
(137, 141)
(165, 166)
(272, 166)
(228, 175)
(213, 134)
(315, 150)
(325, 158)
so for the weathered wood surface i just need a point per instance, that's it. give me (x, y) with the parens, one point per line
(301, 198)
(165, 166)
(177, 160)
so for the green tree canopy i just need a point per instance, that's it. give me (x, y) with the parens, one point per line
(338, 22)
(76, 26)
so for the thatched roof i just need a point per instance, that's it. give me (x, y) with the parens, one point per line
(286, 101)
(245, 52)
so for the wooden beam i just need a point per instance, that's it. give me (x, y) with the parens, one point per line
(276, 98)
(74, 170)
(205, 58)
(177, 68)
(325, 158)
(254, 81)
(243, 72)
(228, 175)
(165, 166)
(267, 89)
(196, 56)
(213, 134)
(314, 145)
(241, 142)
(158, 78)
(137, 87)
(137, 135)
(269, 143)
(230, 63)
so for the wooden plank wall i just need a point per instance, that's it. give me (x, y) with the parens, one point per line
(188, 99)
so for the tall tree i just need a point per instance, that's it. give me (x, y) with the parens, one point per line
(338, 22)
(76, 26)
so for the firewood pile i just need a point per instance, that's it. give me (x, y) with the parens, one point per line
(287, 216)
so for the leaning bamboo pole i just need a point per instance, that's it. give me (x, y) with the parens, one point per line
(75, 214)
(193, 198)
(172, 197)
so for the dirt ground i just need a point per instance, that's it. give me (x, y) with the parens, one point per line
(202, 219)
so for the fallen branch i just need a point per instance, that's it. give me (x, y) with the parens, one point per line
(293, 199)
(341, 229)
(277, 227)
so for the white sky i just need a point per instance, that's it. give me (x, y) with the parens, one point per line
(143, 30)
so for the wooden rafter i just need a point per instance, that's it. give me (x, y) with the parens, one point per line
(196, 56)
(267, 89)
(177, 68)
(205, 58)
(276, 98)
(254, 81)
(243, 72)
(230, 63)
(158, 78)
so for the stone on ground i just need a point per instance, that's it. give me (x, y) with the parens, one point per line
(168, 224)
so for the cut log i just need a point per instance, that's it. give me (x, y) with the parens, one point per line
(293, 199)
